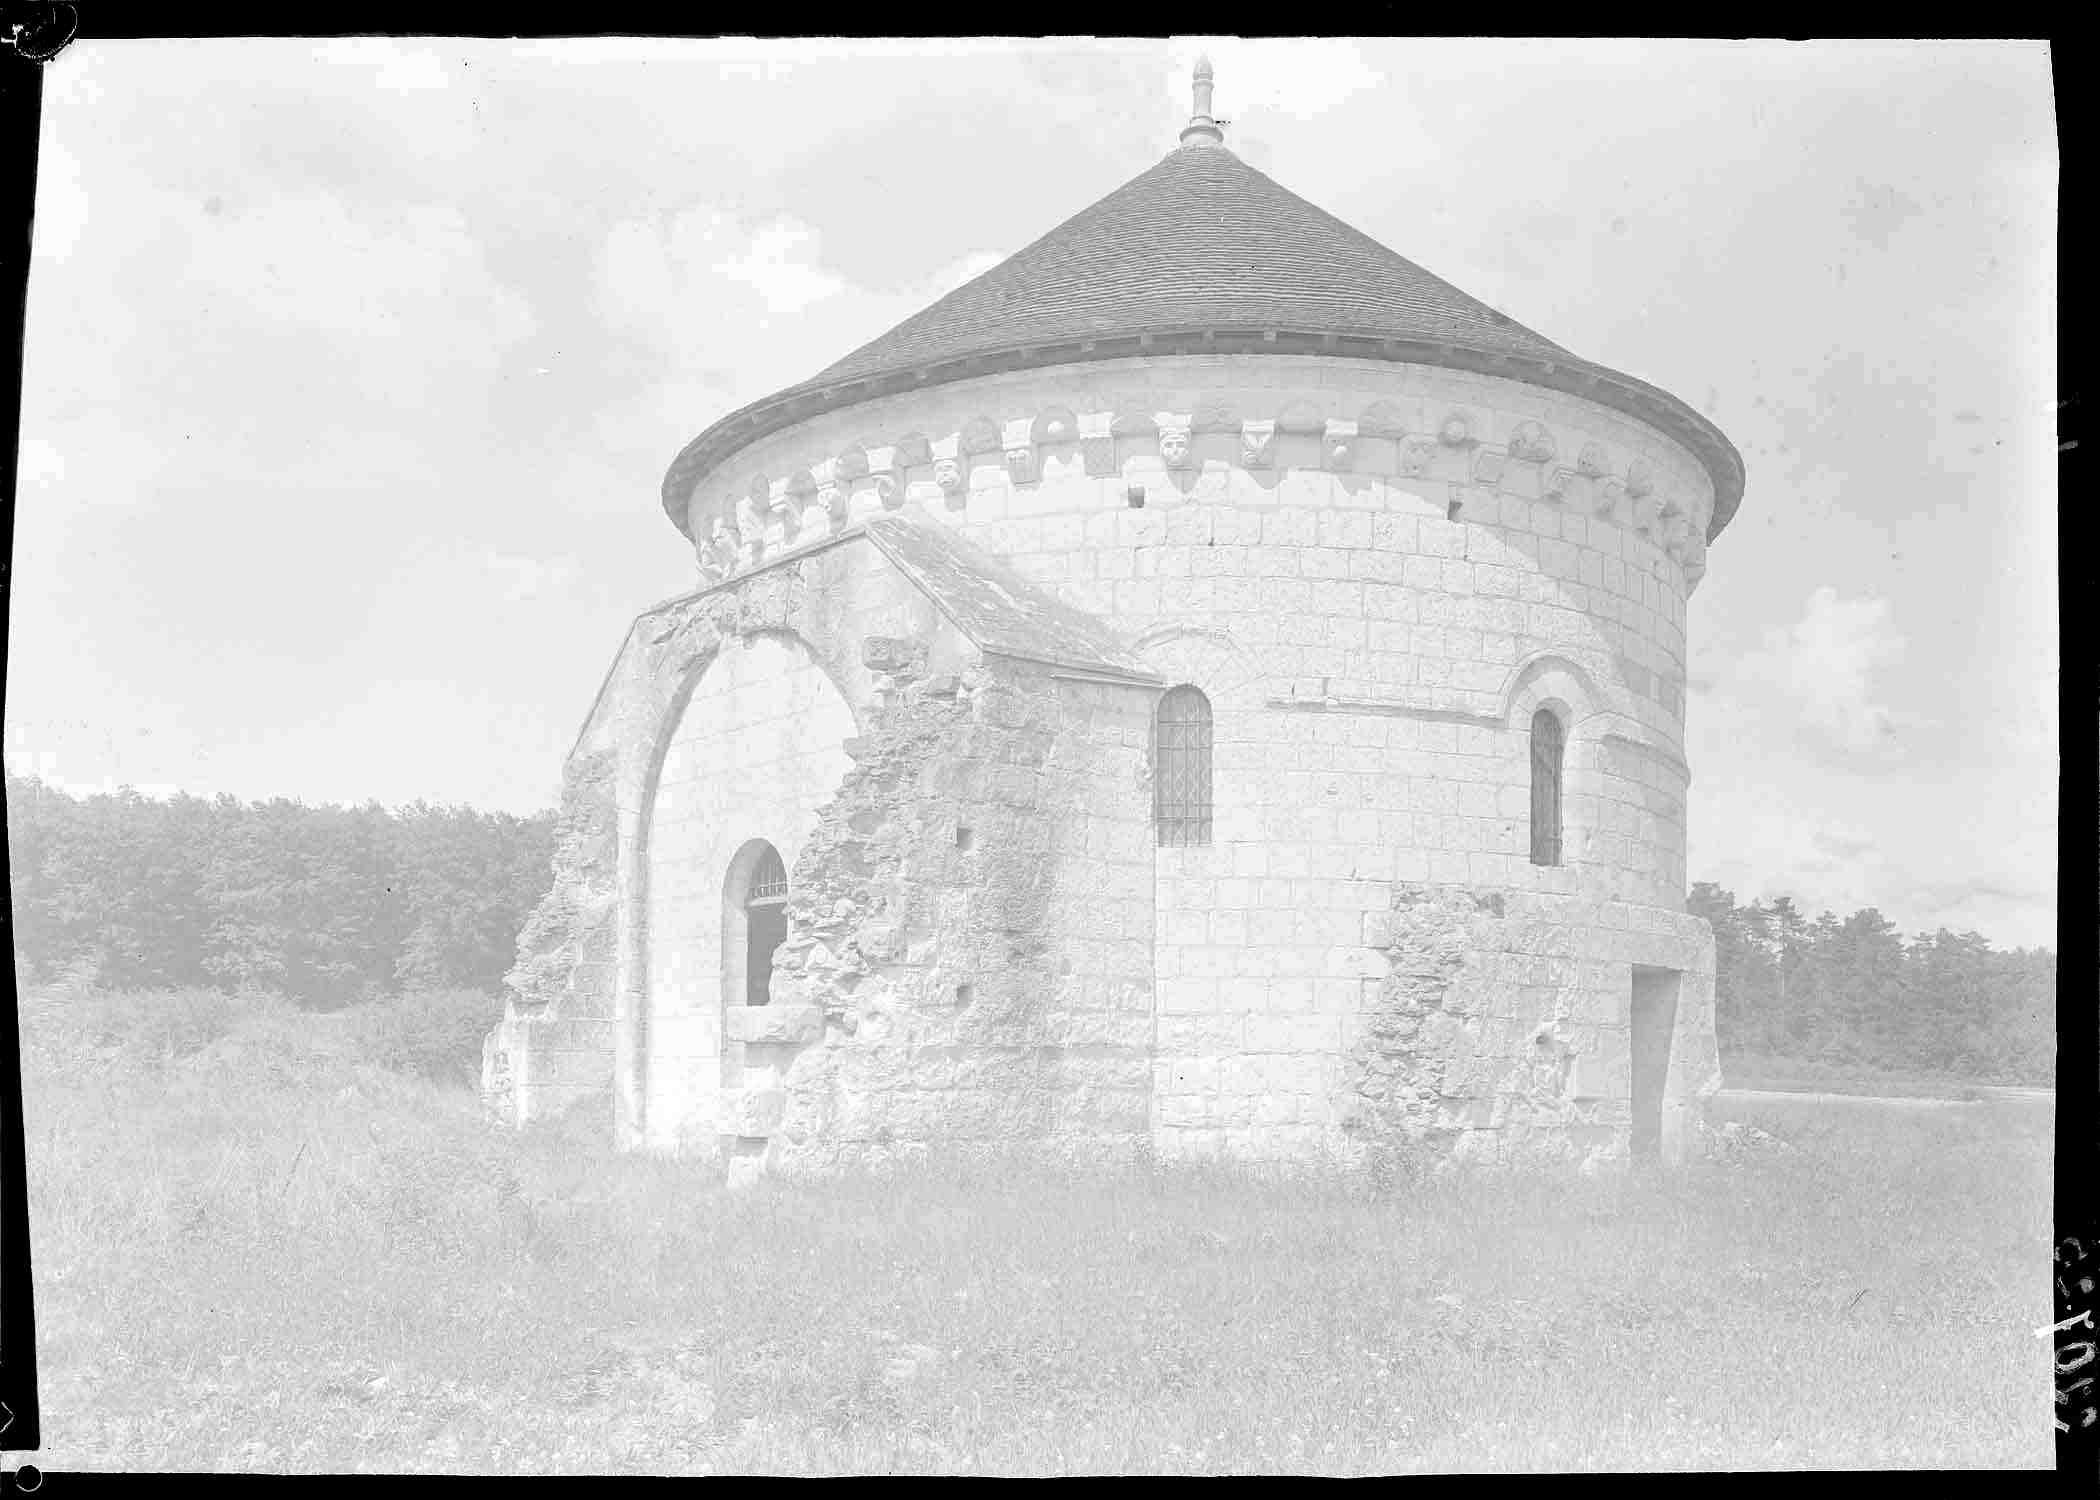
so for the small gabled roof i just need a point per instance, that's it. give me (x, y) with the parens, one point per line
(996, 609)
(1000, 612)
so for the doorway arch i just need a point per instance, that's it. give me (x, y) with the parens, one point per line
(750, 756)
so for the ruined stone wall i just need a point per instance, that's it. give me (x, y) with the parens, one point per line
(554, 1047)
(1501, 1033)
(970, 929)
(757, 750)
(575, 1028)
(969, 941)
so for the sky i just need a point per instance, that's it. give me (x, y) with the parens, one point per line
(353, 368)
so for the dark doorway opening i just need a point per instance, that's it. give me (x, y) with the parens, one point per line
(765, 924)
(1654, 1028)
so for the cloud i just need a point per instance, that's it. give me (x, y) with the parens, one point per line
(780, 265)
(272, 339)
(676, 281)
(1837, 847)
(408, 277)
(1877, 211)
(967, 269)
(530, 577)
(40, 463)
(1810, 783)
(1821, 670)
(724, 312)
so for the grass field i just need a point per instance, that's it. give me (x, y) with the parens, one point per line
(256, 1251)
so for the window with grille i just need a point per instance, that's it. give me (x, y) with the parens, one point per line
(1548, 741)
(769, 882)
(1181, 767)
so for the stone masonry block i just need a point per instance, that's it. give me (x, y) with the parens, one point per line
(754, 1112)
(774, 1023)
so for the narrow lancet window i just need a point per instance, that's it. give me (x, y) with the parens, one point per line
(1547, 744)
(1181, 767)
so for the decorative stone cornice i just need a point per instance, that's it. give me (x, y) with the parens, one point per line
(1018, 444)
(1097, 444)
(1339, 445)
(980, 435)
(1302, 418)
(1622, 393)
(1176, 438)
(1054, 427)
(1381, 419)
(870, 476)
(1531, 443)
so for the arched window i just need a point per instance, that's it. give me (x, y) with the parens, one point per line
(754, 922)
(1181, 767)
(769, 882)
(1548, 741)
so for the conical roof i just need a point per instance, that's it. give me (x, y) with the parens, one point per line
(1203, 253)
(1200, 241)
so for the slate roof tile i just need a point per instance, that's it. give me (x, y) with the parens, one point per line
(1201, 244)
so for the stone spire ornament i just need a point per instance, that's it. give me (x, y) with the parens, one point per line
(1202, 130)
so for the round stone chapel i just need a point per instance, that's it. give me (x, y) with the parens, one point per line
(1206, 686)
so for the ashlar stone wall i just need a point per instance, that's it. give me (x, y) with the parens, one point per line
(1415, 546)
(1377, 575)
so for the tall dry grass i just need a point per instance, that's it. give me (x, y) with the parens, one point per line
(257, 1248)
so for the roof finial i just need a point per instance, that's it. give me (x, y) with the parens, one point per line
(1202, 130)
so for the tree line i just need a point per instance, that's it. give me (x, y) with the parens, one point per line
(329, 905)
(325, 905)
(1855, 993)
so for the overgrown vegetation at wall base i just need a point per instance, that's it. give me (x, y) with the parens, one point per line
(261, 1251)
(325, 905)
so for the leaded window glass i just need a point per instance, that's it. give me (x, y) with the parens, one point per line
(1181, 767)
(769, 882)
